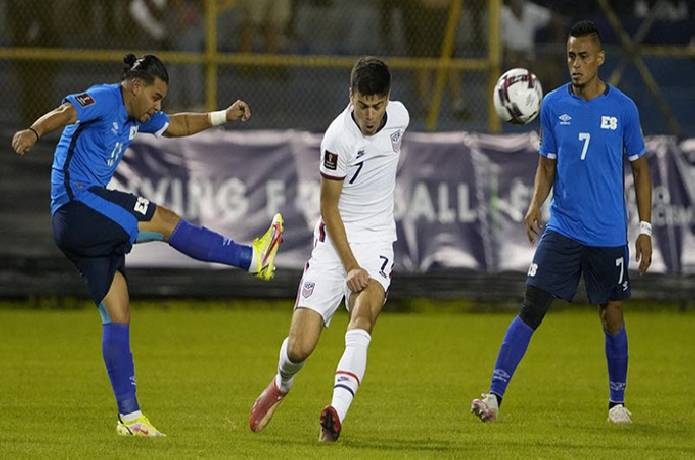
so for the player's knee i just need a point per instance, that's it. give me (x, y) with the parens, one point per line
(535, 306)
(611, 315)
(165, 220)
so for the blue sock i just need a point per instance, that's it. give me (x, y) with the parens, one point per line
(616, 356)
(513, 347)
(204, 244)
(115, 347)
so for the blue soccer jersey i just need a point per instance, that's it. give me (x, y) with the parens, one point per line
(589, 140)
(90, 149)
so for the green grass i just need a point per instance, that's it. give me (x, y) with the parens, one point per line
(200, 369)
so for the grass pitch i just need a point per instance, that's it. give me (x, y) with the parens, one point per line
(199, 369)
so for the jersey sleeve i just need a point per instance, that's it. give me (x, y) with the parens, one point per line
(93, 104)
(406, 117)
(333, 156)
(633, 141)
(548, 147)
(155, 125)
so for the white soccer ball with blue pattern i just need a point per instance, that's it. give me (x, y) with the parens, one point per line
(517, 96)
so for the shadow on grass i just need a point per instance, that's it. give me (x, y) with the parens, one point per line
(410, 445)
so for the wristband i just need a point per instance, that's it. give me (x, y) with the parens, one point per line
(35, 132)
(645, 228)
(217, 118)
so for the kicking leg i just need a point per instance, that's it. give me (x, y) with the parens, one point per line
(304, 334)
(353, 363)
(203, 244)
(119, 360)
(611, 315)
(516, 340)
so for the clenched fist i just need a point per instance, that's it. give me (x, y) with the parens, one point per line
(24, 140)
(240, 110)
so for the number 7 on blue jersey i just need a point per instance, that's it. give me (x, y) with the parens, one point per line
(586, 137)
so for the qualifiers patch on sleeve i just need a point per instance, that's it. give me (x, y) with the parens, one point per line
(85, 99)
(331, 161)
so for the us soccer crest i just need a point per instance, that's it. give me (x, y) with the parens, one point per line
(308, 288)
(396, 141)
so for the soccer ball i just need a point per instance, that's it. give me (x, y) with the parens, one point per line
(517, 96)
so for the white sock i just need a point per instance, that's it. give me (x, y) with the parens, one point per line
(350, 371)
(132, 416)
(254, 261)
(286, 369)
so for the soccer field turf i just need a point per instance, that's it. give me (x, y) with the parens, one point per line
(199, 371)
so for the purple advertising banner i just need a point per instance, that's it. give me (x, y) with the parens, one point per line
(460, 200)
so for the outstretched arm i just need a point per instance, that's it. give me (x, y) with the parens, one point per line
(187, 123)
(25, 139)
(643, 190)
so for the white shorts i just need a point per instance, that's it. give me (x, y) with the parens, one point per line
(324, 283)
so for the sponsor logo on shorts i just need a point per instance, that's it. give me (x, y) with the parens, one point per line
(85, 100)
(331, 161)
(308, 288)
(141, 205)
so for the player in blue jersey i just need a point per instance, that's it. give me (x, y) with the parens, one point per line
(95, 227)
(588, 128)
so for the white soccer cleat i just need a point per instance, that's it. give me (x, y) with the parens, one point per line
(619, 415)
(486, 408)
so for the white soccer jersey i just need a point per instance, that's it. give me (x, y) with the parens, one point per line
(367, 165)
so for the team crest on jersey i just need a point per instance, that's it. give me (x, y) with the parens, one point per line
(132, 133)
(565, 119)
(396, 141)
(331, 160)
(608, 122)
(308, 288)
(85, 100)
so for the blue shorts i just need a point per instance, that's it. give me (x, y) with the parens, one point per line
(560, 261)
(96, 230)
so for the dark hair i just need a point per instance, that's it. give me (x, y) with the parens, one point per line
(147, 67)
(584, 28)
(370, 76)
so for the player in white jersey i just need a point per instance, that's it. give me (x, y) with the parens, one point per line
(353, 243)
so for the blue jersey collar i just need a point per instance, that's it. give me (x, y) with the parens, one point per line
(571, 93)
(124, 110)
